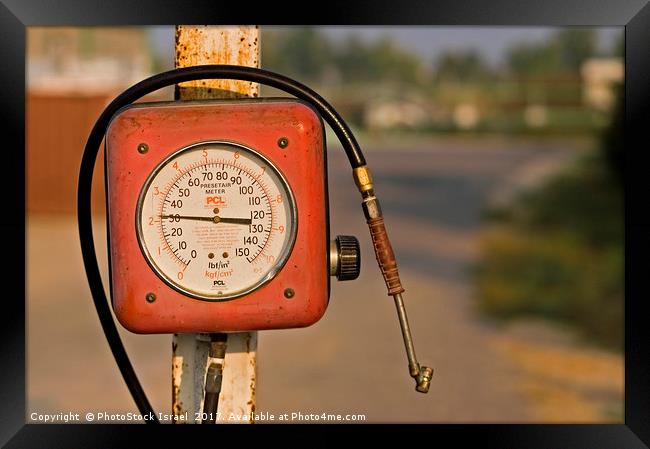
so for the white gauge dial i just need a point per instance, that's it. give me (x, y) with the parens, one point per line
(216, 220)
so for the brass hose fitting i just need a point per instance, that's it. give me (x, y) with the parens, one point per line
(388, 266)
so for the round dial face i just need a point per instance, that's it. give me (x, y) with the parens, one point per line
(216, 220)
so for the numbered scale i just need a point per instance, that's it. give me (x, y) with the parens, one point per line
(216, 220)
(218, 217)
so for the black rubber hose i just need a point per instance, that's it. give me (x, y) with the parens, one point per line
(84, 214)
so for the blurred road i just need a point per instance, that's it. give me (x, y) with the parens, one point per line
(353, 360)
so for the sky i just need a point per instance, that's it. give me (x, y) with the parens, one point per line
(427, 41)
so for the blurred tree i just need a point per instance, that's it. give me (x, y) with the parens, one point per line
(563, 52)
(307, 53)
(462, 66)
(612, 139)
(351, 59)
(87, 42)
(302, 52)
(619, 46)
(378, 61)
(528, 59)
(397, 64)
(575, 45)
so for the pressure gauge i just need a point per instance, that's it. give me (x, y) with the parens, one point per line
(218, 217)
(216, 220)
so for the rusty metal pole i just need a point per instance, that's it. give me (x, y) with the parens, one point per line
(195, 45)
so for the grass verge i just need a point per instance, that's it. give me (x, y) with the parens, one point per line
(558, 253)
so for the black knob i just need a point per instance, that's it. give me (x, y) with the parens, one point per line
(349, 257)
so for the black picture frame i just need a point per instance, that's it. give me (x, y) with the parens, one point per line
(634, 15)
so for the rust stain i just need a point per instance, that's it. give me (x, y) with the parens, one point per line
(251, 401)
(253, 382)
(233, 45)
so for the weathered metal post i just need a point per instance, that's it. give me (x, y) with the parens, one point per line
(238, 45)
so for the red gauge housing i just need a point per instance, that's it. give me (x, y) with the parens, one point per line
(298, 294)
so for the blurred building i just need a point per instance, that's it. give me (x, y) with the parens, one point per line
(72, 74)
(389, 114)
(466, 115)
(536, 115)
(86, 60)
(600, 75)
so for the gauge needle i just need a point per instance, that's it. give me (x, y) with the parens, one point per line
(215, 219)
(218, 219)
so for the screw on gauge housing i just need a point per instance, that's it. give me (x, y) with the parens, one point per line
(283, 142)
(143, 148)
(151, 297)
